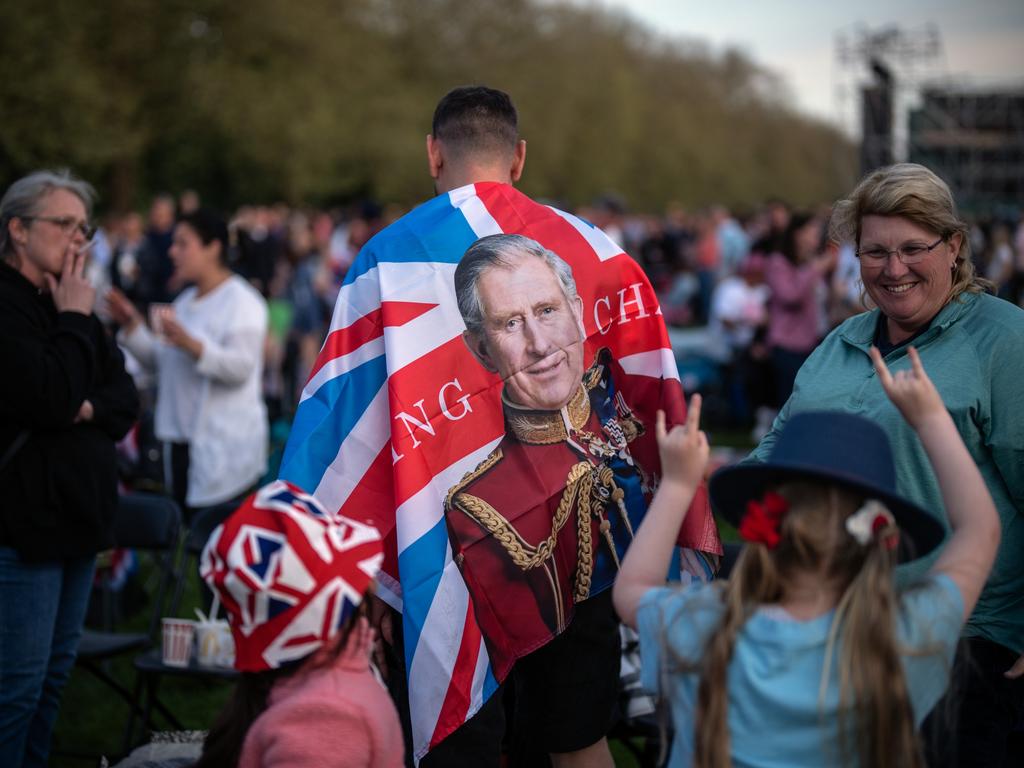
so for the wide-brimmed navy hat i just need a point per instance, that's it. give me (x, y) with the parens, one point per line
(834, 447)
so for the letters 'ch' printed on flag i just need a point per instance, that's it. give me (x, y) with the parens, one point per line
(400, 424)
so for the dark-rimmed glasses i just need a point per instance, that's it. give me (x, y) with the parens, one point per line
(66, 224)
(910, 253)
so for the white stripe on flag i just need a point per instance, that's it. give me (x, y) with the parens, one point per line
(389, 590)
(483, 663)
(422, 511)
(358, 298)
(658, 363)
(344, 364)
(417, 282)
(355, 454)
(420, 282)
(603, 246)
(473, 208)
(433, 661)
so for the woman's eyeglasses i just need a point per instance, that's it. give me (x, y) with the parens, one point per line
(911, 253)
(66, 224)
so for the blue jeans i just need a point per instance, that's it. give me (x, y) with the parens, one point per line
(42, 607)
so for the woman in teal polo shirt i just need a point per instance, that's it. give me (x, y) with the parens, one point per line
(919, 279)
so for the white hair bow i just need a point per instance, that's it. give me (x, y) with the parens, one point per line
(867, 521)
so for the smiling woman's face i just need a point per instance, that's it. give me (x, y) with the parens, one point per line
(908, 295)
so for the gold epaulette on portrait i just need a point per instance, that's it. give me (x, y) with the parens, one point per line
(525, 555)
(489, 461)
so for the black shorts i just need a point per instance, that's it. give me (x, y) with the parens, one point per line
(562, 697)
(567, 691)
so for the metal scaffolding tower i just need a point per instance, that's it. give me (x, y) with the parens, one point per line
(881, 72)
(896, 84)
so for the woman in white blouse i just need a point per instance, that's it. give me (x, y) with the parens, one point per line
(207, 352)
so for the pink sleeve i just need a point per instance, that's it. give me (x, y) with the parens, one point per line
(790, 285)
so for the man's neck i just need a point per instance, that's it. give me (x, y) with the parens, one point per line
(459, 177)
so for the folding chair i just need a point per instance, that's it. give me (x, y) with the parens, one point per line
(149, 664)
(144, 522)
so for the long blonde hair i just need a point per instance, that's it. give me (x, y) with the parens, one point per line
(874, 704)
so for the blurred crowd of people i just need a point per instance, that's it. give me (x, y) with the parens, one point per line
(767, 284)
(296, 259)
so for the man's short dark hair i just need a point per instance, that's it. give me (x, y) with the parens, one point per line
(475, 119)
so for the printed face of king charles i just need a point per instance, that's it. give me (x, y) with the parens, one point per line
(532, 335)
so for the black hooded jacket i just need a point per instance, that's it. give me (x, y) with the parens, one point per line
(59, 491)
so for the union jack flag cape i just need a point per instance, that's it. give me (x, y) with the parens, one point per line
(396, 411)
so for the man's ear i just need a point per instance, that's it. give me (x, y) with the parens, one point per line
(577, 306)
(518, 160)
(434, 158)
(477, 346)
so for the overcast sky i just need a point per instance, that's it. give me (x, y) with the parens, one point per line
(981, 39)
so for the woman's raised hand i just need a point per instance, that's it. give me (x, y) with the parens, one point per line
(122, 311)
(73, 292)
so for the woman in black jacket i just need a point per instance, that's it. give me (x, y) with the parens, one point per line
(65, 399)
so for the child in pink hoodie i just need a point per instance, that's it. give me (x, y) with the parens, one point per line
(291, 578)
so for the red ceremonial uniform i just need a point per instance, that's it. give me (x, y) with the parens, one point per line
(529, 523)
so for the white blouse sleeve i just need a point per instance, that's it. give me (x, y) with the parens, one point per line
(232, 358)
(142, 344)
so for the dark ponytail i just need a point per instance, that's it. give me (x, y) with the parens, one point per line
(223, 745)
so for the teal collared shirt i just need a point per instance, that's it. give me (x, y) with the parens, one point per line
(974, 353)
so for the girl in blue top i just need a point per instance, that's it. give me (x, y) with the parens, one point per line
(808, 655)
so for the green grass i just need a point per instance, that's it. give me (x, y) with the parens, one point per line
(93, 718)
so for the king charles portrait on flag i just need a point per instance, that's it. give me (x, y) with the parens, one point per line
(430, 405)
(542, 523)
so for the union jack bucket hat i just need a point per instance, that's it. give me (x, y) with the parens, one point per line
(288, 573)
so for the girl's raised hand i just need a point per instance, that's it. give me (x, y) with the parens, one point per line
(684, 448)
(912, 392)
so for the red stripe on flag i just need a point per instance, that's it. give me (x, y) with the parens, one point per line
(446, 375)
(367, 328)
(373, 501)
(455, 708)
(604, 286)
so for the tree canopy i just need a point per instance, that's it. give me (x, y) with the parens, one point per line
(328, 100)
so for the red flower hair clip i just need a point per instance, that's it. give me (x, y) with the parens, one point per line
(763, 519)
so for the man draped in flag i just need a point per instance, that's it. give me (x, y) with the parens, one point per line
(399, 416)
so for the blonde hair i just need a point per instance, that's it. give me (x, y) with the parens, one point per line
(915, 193)
(874, 703)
